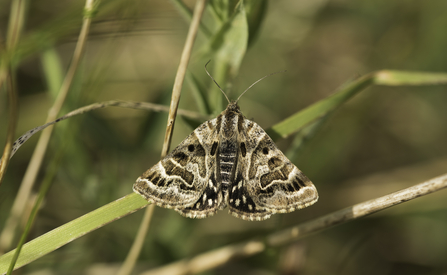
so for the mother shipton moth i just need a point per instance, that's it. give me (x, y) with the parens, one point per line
(227, 161)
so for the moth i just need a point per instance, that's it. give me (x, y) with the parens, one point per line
(227, 161)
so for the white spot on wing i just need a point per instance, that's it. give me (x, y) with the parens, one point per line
(238, 201)
(204, 198)
(210, 202)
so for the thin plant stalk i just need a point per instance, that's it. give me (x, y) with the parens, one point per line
(15, 28)
(33, 168)
(111, 103)
(181, 72)
(221, 256)
(13, 114)
(132, 257)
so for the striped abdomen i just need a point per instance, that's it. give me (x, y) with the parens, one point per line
(227, 163)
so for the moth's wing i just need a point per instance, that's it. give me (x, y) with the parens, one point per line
(207, 204)
(210, 199)
(179, 179)
(241, 202)
(272, 181)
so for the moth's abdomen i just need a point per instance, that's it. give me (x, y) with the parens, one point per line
(227, 160)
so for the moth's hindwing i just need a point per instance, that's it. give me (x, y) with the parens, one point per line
(208, 203)
(180, 179)
(241, 203)
(269, 179)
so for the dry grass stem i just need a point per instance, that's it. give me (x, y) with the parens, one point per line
(210, 259)
(13, 114)
(358, 211)
(16, 22)
(218, 257)
(15, 27)
(131, 258)
(112, 103)
(29, 178)
(181, 71)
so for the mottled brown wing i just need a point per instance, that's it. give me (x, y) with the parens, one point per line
(241, 203)
(272, 182)
(208, 203)
(181, 178)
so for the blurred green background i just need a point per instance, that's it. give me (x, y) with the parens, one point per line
(385, 139)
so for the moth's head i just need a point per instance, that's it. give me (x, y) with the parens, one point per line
(233, 107)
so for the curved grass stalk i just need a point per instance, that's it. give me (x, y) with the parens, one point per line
(111, 103)
(29, 178)
(13, 114)
(384, 78)
(135, 250)
(220, 256)
(15, 27)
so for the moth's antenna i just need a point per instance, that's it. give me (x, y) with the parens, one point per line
(257, 82)
(216, 82)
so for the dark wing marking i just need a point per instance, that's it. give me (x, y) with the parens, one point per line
(240, 201)
(180, 179)
(273, 182)
(208, 203)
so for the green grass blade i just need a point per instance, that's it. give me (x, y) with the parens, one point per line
(46, 184)
(230, 43)
(401, 78)
(68, 232)
(302, 118)
(228, 47)
(319, 109)
(304, 136)
(256, 12)
(52, 68)
(187, 14)
(200, 94)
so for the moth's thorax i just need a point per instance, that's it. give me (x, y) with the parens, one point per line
(231, 118)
